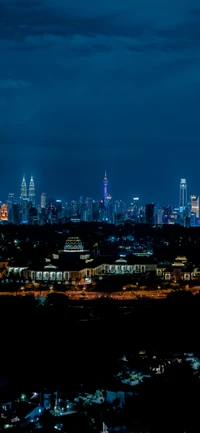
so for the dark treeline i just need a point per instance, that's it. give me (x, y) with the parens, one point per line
(167, 241)
(57, 343)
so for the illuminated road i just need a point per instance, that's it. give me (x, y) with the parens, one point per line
(83, 295)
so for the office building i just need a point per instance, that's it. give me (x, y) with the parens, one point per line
(15, 213)
(10, 201)
(43, 200)
(32, 216)
(11, 198)
(73, 209)
(109, 209)
(159, 216)
(192, 219)
(95, 210)
(194, 205)
(149, 213)
(119, 219)
(26, 204)
(4, 213)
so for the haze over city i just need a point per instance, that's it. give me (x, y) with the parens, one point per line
(100, 84)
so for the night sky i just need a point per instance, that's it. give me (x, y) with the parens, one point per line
(89, 84)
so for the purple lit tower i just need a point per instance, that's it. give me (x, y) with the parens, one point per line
(105, 187)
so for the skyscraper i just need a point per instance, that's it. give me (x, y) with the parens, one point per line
(15, 213)
(159, 216)
(4, 213)
(24, 211)
(149, 213)
(10, 201)
(105, 187)
(23, 189)
(43, 200)
(31, 191)
(183, 195)
(194, 205)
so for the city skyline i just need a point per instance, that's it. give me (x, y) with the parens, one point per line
(51, 210)
(100, 193)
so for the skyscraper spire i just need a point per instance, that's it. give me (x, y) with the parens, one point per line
(23, 188)
(31, 191)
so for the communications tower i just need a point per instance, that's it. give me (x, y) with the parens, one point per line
(105, 187)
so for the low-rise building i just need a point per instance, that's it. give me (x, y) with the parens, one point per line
(66, 271)
(179, 270)
(71, 267)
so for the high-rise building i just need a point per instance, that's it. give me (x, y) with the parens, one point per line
(73, 209)
(159, 216)
(134, 208)
(149, 213)
(4, 213)
(119, 219)
(15, 213)
(43, 200)
(88, 204)
(23, 189)
(109, 209)
(194, 205)
(95, 210)
(25, 206)
(10, 201)
(59, 210)
(32, 216)
(11, 198)
(31, 191)
(105, 187)
(183, 195)
(192, 219)
(167, 212)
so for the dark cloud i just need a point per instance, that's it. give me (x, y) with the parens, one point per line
(14, 84)
(88, 84)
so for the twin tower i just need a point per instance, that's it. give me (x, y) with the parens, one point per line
(31, 190)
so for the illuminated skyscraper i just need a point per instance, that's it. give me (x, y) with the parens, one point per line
(4, 213)
(10, 201)
(43, 200)
(183, 195)
(159, 216)
(25, 207)
(31, 191)
(194, 205)
(110, 215)
(105, 187)
(23, 189)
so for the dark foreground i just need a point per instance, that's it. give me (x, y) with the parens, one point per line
(70, 347)
(65, 344)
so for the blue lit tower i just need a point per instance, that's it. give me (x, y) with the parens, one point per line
(31, 191)
(105, 187)
(23, 189)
